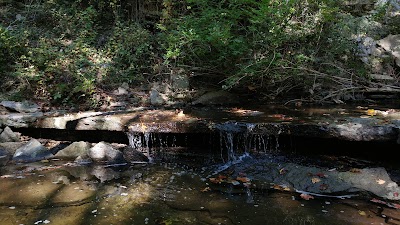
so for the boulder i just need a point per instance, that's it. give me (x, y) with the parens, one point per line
(31, 152)
(133, 155)
(20, 119)
(22, 107)
(318, 180)
(11, 147)
(103, 151)
(9, 136)
(74, 150)
(391, 44)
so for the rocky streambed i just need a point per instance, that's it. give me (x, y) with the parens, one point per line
(248, 178)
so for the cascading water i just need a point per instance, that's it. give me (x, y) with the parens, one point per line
(237, 142)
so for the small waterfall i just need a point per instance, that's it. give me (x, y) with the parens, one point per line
(237, 141)
(150, 143)
(141, 142)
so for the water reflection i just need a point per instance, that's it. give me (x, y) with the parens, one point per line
(162, 192)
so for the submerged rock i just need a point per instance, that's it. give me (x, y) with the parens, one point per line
(4, 157)
(104, 174)
(31, 151)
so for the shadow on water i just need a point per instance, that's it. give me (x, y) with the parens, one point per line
(162, 193)
(200, 179)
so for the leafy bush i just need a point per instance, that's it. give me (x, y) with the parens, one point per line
(130, 50)
(258, 43)
(10, 49)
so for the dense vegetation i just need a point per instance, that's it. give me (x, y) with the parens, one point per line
(73, 52)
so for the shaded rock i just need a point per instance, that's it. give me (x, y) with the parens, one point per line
(121, 91)
(4, 157)
(20, 119)
(156, 98)
(31, 151)
(9, 136)
(23, 107)
(11, 147)
(105, 152)
(179, 81)
(318, 180)
(375, 180)
(132, 155)
(216, 98)
(74, 150)
(391, 44)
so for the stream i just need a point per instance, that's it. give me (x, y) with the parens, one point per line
(229, 176)
(179, 188)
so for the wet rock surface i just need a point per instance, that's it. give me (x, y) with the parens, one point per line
(316, 180)
(356, 123)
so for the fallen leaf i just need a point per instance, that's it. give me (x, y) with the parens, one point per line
(371, 112)
(380, 181)
(321, 175)
(206, 189)
(323, 187)
(235, 182)
(355, 170)
(241, 174)
(315, 180)
(251, 88)
(362, 213)
(222, 177)
(280, 187)
(282, 171)
(247, 185)
(243, 179)
(214, 180)
(306, 197)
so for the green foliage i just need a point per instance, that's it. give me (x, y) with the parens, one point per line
(10, 49)
(68, 52)
(130, 50)
(252, 41)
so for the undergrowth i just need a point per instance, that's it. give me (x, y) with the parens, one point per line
(69, 52)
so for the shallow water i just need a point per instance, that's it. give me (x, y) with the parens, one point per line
(164, 192)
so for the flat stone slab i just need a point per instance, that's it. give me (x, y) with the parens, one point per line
(350, 123)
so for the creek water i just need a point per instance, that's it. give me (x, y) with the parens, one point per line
(57, 192)
(180, 185)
